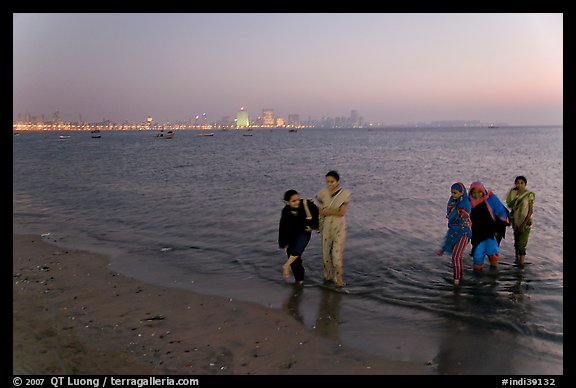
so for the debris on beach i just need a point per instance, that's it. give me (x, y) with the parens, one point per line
(154, 318)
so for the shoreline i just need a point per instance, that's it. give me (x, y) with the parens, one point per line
(72, 314)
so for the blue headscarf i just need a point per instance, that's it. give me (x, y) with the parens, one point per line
(459, 205)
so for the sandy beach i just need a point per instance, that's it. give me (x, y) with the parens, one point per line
(73, 315)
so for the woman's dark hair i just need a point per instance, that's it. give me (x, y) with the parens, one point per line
(289, 194)
(334, 174)
(520, 178)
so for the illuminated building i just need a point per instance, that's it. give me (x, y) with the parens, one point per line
(268, 117)
(242, 118)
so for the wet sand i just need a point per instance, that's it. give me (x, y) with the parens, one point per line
(73, 315)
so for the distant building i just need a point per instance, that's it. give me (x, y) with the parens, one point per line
(294, 120)
(354, 118)
(242, 118)
(268, 117)
(225, 120)
(256, 121)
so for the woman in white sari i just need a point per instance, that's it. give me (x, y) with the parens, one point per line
(333, 204)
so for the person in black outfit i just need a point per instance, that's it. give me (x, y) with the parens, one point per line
(299, 217)
(489, 219)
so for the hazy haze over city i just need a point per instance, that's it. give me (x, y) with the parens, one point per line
(390, 68)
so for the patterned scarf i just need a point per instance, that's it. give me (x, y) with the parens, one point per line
(461, 204)
(495, 207)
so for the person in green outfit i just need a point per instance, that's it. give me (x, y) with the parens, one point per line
(521, 204)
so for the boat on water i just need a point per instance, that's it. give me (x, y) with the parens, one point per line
(162, 135)
(96, 134)
(64, 137)
(292, 130)
(206, 134)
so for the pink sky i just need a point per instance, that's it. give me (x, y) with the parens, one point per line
(391, 68)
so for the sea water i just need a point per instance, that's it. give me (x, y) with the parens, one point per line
(202, 213)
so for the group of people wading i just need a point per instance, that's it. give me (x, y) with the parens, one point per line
(475, 215)
(479, 216)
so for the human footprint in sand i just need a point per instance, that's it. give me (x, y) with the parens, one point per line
(299, 217)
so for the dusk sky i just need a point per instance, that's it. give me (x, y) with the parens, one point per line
(391, 68)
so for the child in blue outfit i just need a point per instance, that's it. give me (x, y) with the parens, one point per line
(459, 228)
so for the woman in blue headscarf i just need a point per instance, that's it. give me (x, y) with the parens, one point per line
(459, 228)
(489, 221)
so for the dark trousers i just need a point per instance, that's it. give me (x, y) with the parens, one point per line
(297, 249)
(298, 269)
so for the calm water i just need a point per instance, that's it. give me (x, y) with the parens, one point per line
(202, 213)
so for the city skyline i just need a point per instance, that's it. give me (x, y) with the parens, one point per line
(266, 116)
(242, 118)
(390, 68)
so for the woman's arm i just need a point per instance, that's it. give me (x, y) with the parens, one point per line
(338, 213)
(530, 210)
(314, 222)
(509, 199)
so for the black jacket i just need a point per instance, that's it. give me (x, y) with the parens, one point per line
(484, 227)
(292, 225)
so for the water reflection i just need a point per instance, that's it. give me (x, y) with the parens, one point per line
(328, 317)
(292, 304)
(484, 338)
(518, 288)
